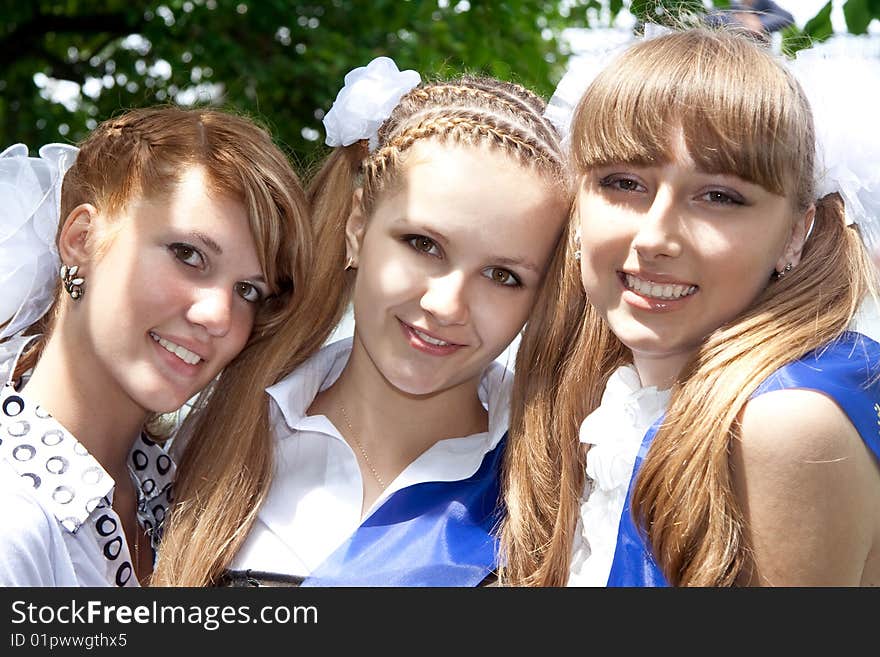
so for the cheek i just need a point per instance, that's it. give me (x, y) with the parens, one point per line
(501, 315)
(389, 278)
(242, 325)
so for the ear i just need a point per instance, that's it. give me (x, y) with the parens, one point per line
(795, 245)
(74, 245)
(355, 228)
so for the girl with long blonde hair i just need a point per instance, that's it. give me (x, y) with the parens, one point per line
(436, 215)
(700, 316)
(149, 264)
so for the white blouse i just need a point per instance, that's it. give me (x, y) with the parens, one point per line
(615, 431)
(59, 527)
(315, 500)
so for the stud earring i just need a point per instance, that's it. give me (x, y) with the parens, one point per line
(72, 283)
(577, 255)
(781, 274)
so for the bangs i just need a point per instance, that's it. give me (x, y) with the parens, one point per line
(739, 111)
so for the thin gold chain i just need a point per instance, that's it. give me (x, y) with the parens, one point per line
(361, 448)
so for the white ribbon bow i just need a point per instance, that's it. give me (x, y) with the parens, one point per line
(30, 198)
(369, 96)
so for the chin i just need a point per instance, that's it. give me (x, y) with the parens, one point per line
(162, 402)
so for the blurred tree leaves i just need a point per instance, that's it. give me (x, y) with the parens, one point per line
(283, 62)
(278, 61)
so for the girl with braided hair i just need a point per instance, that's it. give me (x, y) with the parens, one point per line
(183, 242)
(707, 323)
(438, 226)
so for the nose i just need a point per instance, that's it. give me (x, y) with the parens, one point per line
(212, 309)
(445, 299)
(658, 229)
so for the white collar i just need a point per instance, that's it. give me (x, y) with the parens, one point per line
(624, 393)
(448, 460)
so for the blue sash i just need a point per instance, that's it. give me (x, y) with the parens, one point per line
(437, 533)
(847, 371)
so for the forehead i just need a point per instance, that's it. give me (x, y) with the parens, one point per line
(476, 193)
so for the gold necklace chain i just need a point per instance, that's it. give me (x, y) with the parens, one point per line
(361, 448)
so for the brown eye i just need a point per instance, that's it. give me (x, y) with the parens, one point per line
(187, 254)
(248, 292)
(423, 244)
(502, 277)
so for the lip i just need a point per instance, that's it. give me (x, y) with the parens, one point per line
(636, 300)
(654, 278)
(178, 365)
(418, 343)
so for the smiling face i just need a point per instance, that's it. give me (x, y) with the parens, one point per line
(449, 264)
(173, 299)
(671, 253)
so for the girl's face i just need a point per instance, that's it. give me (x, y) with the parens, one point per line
(449, 264)
(173, 299)
(671, 253)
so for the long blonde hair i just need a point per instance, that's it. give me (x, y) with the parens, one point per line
(742, 113)
(226, 479)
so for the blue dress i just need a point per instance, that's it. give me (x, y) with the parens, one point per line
(847, 371)
(438, 533)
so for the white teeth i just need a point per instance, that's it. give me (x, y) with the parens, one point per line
(429, 339)
(659, 290)
(182, 353)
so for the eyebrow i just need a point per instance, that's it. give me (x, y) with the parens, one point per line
(207, 241)
(516, 262)
(497, 260)
(216, 248)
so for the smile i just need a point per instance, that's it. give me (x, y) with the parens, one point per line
(182, 353)
(664, 291)
(427, 343)
(430, 340)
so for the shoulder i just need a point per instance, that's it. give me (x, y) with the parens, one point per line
(29, 537)
(797, 424)
(809, 489)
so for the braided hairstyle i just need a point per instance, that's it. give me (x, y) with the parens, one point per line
(464, 111)
(212, 522)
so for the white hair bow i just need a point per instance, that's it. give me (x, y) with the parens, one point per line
(30, 195)
(369, 96)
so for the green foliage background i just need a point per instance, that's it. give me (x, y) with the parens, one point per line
(282, 62)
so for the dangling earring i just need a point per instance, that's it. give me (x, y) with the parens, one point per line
(781, 274)
(72, 283)
(349, 264)
(577, 247)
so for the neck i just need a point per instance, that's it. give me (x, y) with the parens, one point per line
(89, 406)
(660, 372)
(393, 425)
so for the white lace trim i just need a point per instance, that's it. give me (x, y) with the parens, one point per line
(615, 430)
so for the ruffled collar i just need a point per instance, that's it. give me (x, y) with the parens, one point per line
(615, 429)
(615, 432)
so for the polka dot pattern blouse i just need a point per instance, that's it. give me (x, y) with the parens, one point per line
(60, 476)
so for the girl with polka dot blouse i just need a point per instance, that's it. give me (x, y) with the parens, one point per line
(135, 270)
